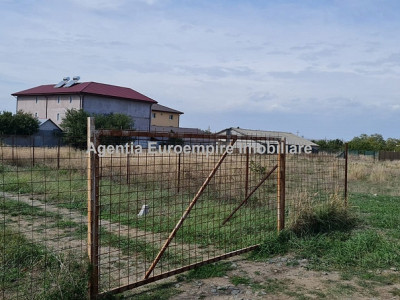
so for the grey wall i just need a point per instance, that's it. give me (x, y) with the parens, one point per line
(45, 138)
(139, 111)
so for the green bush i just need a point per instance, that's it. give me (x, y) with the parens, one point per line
(19, 124)
(75, 126)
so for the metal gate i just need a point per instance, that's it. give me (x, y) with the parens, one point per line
(162, 203)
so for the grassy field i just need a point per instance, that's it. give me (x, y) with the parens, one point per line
(358, 260)
(129, 243)
(30, 271)
(361, 245)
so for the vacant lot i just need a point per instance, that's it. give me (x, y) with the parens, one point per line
(358, 263)
(44, 208)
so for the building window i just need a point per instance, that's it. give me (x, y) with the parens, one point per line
(171, 117)
(36, 99)
(70, 99)
(58, 99)
(154, 115)
(58, 117)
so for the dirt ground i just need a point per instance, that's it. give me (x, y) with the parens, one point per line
(279, 278)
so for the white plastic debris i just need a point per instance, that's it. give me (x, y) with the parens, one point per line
(144, 211)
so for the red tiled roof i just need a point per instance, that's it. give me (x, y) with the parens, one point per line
(92, 88)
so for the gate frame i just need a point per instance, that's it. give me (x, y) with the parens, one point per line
(94, 205)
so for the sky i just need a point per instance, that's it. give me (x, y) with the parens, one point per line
(319, 69)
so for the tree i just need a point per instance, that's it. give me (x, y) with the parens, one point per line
(75, 126)
(6, 121)
(364, 142)
(392, 145)
(19, 124)
(329, 145)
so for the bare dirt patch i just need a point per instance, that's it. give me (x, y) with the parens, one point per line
(279, 278)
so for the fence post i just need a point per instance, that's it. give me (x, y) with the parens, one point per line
(281, 184)
(93, 210)
(346, 161)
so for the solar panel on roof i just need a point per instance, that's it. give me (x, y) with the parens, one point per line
(61, 83)
(72, 82)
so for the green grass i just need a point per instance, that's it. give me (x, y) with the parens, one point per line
(270, 285)
(121, 203)
(32, 271)
(127, 246)
(380, 212)
(17, 208)
(330, 239)
(236, 280)
(162, 291)
(372, 245)
(63, 224)
(218, 269)
(136, 246)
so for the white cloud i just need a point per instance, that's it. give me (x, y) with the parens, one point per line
(245, 57)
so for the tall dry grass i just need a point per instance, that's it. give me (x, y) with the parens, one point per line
(65, 157)
(376, 177)
(315, 174)
(314, 217)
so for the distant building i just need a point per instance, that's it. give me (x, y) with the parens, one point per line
(291, 139)
(49, 135)
(51, 101)
(180, 131)
(164, 116)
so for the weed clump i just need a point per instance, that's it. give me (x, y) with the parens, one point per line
(318, 219)
(313, 227)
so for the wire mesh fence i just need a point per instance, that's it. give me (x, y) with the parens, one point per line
(160, 208)
(163, 211)
(43, 221)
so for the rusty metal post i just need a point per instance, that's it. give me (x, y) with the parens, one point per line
(246, 186)
(281, 185)
(346, 161)
(179, 174)
(93, 210)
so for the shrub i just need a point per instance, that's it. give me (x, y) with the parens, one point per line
(20, 124)
(75, 126)
(314, 219)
